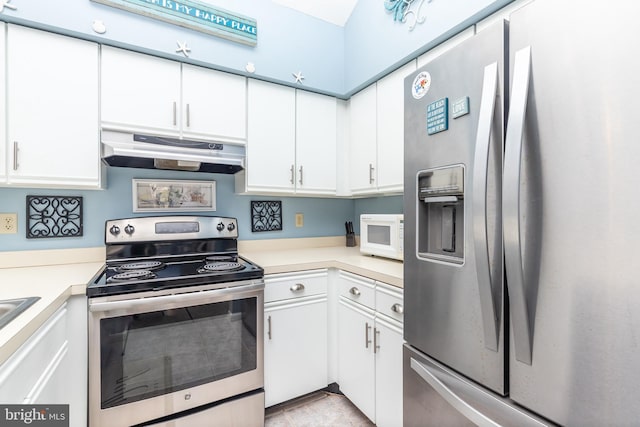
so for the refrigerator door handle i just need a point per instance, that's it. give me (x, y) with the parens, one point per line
(520, 316)
(463, 396)
(488, 300)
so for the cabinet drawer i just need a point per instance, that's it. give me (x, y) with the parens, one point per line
(295, 285)
(389, 301)
(358, 289)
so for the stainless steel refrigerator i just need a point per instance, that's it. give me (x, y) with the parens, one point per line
(522, 207)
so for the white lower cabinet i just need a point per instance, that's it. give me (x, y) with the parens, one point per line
(370, 342)
(295, 350)
(356, 363)
(51, 366)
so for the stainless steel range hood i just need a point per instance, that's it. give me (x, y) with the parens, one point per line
(131, 150)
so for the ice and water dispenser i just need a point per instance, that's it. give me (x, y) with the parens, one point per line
(440, 214)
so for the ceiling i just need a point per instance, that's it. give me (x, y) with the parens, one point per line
(334, 11)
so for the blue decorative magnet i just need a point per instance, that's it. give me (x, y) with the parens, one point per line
(438, 116)
(460, 107)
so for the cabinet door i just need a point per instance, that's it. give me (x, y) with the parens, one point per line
(316, 117)
(356, 369)
(388, 374)
(295, 351)
(140, 92)
(362, 141)
(214, 105)
(52, 109)
(390, 129)
(271, 137)
(4, 146)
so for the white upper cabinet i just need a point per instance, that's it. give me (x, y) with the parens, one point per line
(362, 164)
(140, 92)
(376, 136)
(291, 141)
(390, 129)
(271, 137)
(162, 97)
(315, 143)
(213, 104)
(52, 110)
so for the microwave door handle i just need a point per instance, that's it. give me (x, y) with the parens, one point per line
(488, 299)
(520, 315)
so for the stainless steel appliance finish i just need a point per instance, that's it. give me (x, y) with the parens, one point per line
(155, 152)
(442, 290)
(175, 325)
(565, 208)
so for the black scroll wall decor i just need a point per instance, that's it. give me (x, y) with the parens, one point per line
(54, 216)
(266, 215)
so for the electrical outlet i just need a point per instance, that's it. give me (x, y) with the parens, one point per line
(299, 220)
(8, 223)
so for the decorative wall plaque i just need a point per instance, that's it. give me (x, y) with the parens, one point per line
(266, 216)
(54, 216)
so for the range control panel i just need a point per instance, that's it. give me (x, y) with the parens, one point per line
(163, 228)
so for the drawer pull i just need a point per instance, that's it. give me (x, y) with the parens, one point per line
(397, 308)
(297, 287)
(354, 291)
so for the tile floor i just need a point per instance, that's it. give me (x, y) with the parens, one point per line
(319, 409)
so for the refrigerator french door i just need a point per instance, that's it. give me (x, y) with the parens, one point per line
(556, 340)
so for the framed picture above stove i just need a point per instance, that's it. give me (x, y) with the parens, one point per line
(163, 195)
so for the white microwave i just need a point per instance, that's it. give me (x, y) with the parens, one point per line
(382, 235)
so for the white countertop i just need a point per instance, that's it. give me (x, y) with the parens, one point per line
(54, 284)
(55, 275)
(341, 257)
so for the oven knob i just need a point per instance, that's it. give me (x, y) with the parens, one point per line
(115, 230)
(129, 229)
(220, 226)
(231, 227)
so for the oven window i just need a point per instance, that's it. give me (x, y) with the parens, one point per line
(151, 354)
(379, 234)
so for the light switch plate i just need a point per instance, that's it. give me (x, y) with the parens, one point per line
(8, 223)
(299, 220)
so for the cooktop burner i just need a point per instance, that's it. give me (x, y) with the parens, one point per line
(220, 266)
(131, 275)
(141, 265)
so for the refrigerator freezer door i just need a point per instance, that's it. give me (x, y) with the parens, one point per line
(577, 212)
(436, 396)
(451, 315)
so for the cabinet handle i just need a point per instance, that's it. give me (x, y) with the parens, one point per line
(188, 117)
(354, 291)
(371, 168)
(297, 287)
(397, 308)
(367, 341)
(292, 180)
(175, 113)
(269, 330)
(300, 175)
(376, 346)
(15, 155)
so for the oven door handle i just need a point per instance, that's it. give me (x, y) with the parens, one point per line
(166, 302)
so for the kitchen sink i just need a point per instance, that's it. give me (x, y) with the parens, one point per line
(11, 308)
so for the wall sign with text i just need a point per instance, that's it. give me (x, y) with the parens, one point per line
(194, 15)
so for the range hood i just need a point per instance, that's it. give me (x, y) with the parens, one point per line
(132, 150)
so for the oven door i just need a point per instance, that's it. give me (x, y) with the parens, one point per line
(160, 355)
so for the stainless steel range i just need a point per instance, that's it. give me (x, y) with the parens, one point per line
(175, 326)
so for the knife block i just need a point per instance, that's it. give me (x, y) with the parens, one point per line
(351, 240)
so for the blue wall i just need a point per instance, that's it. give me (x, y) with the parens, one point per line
(334, 60)
(322, 217)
